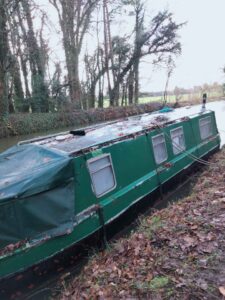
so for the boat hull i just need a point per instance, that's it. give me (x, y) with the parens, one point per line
(70, 259)
(133, 170)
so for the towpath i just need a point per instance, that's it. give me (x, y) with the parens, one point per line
(176, 253)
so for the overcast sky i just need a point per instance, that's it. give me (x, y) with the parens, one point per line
(203, 44)
(202, 39)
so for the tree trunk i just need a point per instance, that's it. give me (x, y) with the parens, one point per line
(139, 20)
(111, 54)
(131, 87)
(10, 100)
(39, 88)
(136, 81)
(22, 57)
(72, 65)
(4, 107)
(123, 94)
(100, 99)
(18, 88)
(107, 57)
(74, 80)
(74, 19)
(16, 92)
(92, 95)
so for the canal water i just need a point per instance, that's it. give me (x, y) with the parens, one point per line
(217, 106)
(52, 286)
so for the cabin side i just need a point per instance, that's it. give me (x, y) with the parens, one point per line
(118, 175)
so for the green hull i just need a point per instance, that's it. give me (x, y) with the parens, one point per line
(136, 174)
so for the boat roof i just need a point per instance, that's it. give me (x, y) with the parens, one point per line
(89, 137)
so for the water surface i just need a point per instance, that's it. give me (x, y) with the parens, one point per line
(217, 106)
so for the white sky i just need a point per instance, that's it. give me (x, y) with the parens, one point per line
(202, 39)
(203, 44)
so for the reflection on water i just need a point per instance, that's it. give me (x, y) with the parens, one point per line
(217, 106)
(13, 140)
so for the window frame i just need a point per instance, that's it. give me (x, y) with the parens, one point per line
(153, 137)
(211, 133)
(180, 150)
(91, 160)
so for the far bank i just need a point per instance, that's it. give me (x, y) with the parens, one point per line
(24, 124)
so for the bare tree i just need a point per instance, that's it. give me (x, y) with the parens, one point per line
(74, 19)
(39, 87)
(158, 40)
(16, 93)
(22, 51)
(109, 53)
(139, 30)
(95, 69)
(170, 67)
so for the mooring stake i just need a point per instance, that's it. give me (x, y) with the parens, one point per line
(204, 99)
(103, 228)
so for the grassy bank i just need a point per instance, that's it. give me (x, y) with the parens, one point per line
(25, 124)
(192, 98)
(176, 253)
(21, 124)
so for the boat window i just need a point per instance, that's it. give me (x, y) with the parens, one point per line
(205, 125)
(178, 142)
(102, 174)
(159, 148)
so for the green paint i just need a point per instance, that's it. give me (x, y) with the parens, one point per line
(136, 176)
(96, 153)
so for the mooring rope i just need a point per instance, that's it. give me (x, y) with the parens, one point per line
(192, 156)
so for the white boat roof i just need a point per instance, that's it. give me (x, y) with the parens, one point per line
(106, 132)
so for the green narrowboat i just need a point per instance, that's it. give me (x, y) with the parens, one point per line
(57, 190)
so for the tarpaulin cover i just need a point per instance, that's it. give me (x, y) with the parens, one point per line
(36, 194)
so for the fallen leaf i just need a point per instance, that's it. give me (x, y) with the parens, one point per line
(202, 284)
(189, 240)
(197, 212)
(222, 290)
(137, 250)
(120, 248)
(193, 227)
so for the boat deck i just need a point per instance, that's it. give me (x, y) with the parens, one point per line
(106, 132)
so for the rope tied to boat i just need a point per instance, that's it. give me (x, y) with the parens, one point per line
(190, 155)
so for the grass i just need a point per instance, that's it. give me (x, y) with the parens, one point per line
(149, 227)
(159, 282)
(192, 98)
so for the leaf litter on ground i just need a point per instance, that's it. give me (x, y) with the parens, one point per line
(176, 253)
